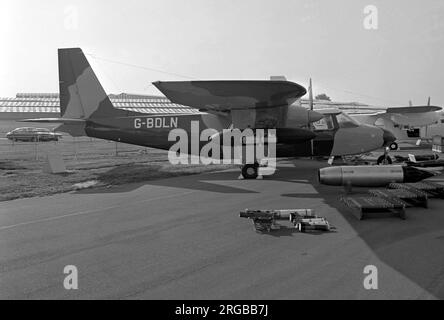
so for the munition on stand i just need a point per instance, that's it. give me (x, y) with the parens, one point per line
(371, 176)
(302, 219)
(421, 157)
(312, 224)
(426, 164)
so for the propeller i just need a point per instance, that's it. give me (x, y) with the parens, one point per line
(310, 95)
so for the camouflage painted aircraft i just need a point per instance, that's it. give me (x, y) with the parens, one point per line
(271, 104)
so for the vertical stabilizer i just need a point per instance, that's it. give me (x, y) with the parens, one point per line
(81, 94)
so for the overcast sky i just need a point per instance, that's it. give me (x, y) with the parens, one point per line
(225, 39)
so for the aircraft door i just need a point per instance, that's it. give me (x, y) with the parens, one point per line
(324, 129)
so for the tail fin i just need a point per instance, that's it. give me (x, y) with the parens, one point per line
(81, 94)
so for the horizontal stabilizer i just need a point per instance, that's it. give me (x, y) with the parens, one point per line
(54, 120)
(73, 129)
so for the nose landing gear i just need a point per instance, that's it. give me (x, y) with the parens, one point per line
(385, 158)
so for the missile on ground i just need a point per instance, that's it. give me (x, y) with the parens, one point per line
(421, 157)
(287, 214)
(426, 164)
(370, 176)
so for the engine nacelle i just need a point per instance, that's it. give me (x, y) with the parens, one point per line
(298, 116)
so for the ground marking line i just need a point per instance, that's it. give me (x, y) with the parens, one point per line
(88, 211)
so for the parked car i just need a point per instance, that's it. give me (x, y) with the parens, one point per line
(33, 134)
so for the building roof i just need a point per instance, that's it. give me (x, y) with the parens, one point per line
(50, 103)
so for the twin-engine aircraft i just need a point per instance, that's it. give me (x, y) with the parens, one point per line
(406, 123)
(271, 104)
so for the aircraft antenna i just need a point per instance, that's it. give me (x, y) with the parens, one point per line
(140, 67)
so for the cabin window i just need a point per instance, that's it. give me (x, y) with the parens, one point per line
(325, 123)
(413, 133)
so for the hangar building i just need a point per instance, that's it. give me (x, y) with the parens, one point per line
(41, 105)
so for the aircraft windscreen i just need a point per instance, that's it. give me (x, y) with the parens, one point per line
(345, 121)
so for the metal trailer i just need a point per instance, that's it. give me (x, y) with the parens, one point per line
(364, 206)
(427, 188)
(408, 198)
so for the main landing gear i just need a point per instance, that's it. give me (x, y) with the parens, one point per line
(393, 146)
(250, 170)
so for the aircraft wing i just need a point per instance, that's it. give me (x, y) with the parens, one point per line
(417, 109)
(415, 116)
(408, 110)
(229, 95)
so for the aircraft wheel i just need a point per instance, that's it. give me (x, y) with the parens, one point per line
(384, 160)
(394, 146)
(250, 171)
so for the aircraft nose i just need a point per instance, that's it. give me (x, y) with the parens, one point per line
(388, 137)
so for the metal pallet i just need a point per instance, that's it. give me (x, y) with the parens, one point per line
(430, 189)
(406, 197)
(363, 206)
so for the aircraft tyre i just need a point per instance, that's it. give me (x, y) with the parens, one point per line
(393, 146)
(384, 159)
(250, 171)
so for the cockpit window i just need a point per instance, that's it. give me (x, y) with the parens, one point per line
(325, 123)
(345, 121)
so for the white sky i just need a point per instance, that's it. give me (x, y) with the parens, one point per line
(228, 39)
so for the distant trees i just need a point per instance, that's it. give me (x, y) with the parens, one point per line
(322, 96)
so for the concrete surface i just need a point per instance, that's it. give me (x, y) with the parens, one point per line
(182, 238)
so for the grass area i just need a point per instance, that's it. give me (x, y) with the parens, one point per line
(93, 164)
